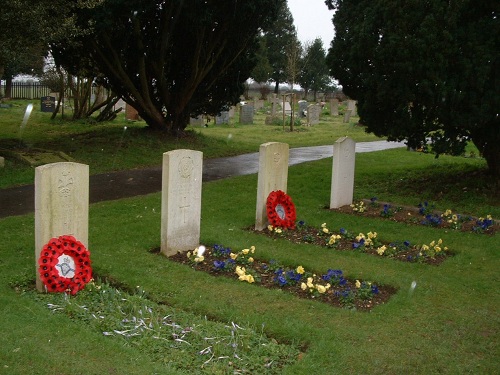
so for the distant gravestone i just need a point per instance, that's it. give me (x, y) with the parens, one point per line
(347, 116)
(334, 107)
(232, 111)
(313, 112)
(181, 201)
(197, 121)
(342, 188)
(246, 114)
(61, 204)
(287, 109)
(258, 104)
(2, 162)
(274, 105)
(48, 104)
(273, 175)
(131, 113)
(351, 105)
(223, 118)
(302, 108)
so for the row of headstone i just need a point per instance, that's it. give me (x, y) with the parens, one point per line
(62, 194)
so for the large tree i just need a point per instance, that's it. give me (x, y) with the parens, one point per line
(170, 59)
(279, 38)
(314, 74)
(422, 70)
(24, 27)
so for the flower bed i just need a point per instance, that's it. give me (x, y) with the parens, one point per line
(433, 253)
(423, 214)
(330, 286)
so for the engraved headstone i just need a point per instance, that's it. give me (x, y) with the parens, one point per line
(273, 175)
(313, 112)
(342, 188)
(181, 201)
(61, 204)
(246, 114)
(334, 107)
(48, 104)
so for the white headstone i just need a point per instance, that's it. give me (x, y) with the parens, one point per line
(181, 201)
(344, 156)
(61, 205)
(313, 112)
(334, 107)
(273, 175)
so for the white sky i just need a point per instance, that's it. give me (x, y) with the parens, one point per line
(312, 19)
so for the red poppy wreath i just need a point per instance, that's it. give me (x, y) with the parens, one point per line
(64, 265)
(280, 210)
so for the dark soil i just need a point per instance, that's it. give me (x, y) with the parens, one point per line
(267, 280)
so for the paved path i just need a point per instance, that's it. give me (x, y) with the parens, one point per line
(123, 184)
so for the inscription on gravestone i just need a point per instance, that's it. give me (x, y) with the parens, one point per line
(181, 201)
(47, 103)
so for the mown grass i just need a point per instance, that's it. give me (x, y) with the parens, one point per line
(447, 324)
(122, 144)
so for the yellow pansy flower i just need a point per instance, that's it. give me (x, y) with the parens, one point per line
(300, 270)
(358, 284)
(245, 251)
(320, 288)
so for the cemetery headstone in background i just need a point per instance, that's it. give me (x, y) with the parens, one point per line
(334, 107)
(223, 118)
(342, 188)
(197, 121)
(313, 112)
(181, 201)
(47, 103)
(351, 105)
(302, 108)
(131, 113)
(272, 175)
(246, 114)
(61, 205)
(347, 116)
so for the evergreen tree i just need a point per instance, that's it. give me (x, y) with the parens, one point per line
(422, 70)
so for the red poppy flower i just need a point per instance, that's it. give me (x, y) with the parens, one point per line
(64, 265)
(280, 210)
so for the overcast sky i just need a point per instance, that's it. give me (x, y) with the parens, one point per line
(312, 20)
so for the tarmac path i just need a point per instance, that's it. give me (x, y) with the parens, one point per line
(20, 200)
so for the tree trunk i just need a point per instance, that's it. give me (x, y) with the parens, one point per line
(491, 153)
(8, 87)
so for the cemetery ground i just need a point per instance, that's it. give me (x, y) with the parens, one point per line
(442, 319)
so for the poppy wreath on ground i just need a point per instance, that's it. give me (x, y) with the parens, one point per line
(64, 265)
(280, 210)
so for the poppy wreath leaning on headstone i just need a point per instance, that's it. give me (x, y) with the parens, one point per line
(280, 210)
(64, 265)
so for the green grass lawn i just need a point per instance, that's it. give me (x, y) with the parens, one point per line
(447, 324)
